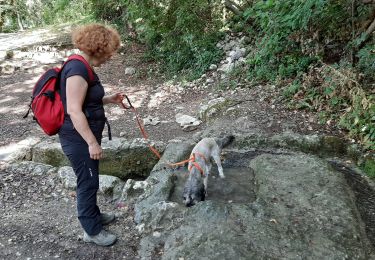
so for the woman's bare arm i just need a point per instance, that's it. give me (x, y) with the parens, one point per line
(76, 89)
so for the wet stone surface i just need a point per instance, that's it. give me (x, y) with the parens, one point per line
(236, 187)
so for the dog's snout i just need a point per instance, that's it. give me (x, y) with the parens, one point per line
(189, 201)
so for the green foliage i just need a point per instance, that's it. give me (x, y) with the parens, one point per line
(292, 89)
(334, 92)
(62, 11)
(359, 118)
(111, 11)
(366, 64)
(278, 54)
(369, 168)
(289, 34)
(183, 34)
(11, 15)
(20, 14)
(293, 37)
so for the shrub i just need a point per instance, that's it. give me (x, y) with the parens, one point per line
(335, 92)
(366, 65)
(293, 34)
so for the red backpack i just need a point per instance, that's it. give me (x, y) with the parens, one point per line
(46, 101)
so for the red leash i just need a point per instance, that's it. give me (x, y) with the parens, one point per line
(153, 149)
(140, 125)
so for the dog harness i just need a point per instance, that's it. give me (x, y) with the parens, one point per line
(195, 164)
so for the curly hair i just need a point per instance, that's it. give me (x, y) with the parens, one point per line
(96, 40)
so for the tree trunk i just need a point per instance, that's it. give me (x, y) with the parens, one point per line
(19, 21)
(354, 13)
(233, 7)
(367, 34)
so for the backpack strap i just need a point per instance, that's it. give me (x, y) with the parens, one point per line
(71, 57)
(84, 61)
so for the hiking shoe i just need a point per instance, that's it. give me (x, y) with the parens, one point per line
(104, 238)
(107, 218)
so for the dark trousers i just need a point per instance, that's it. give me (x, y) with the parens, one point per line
(87, 172)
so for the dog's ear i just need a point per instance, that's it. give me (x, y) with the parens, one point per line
(202, 193)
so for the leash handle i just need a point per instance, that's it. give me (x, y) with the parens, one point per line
(130, 104)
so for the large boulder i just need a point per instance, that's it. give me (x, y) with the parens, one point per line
(49, 153)
(20, 151)
(314, 144)
(122, 158)
(303, 209)
(126, 159)
(161, 181)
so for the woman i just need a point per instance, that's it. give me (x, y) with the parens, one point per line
(80, 136)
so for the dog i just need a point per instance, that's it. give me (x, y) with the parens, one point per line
(195, 188)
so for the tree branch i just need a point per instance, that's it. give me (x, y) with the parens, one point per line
(370, 29)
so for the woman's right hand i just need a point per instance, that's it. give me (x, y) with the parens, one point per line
(95, 151)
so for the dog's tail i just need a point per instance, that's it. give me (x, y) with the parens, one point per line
(222, 142)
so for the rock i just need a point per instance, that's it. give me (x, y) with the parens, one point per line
(67, 177)
(108, 183)
(151, 120)
(31, 168)
(213, 67)
(3, 55)
(156, 234)
(134, 190)
(300, 200)
(49, 153)
(7, 69)
(130, 71)
(206, 111)
(9, 54)
(122, 158)
(176, 150)
(226, 68)
(187, 122)
(21, 151)
(158, 98)
(210, 81)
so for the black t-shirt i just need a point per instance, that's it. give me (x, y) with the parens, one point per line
(93, 104)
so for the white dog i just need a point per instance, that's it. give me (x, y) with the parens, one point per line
(195, 189)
